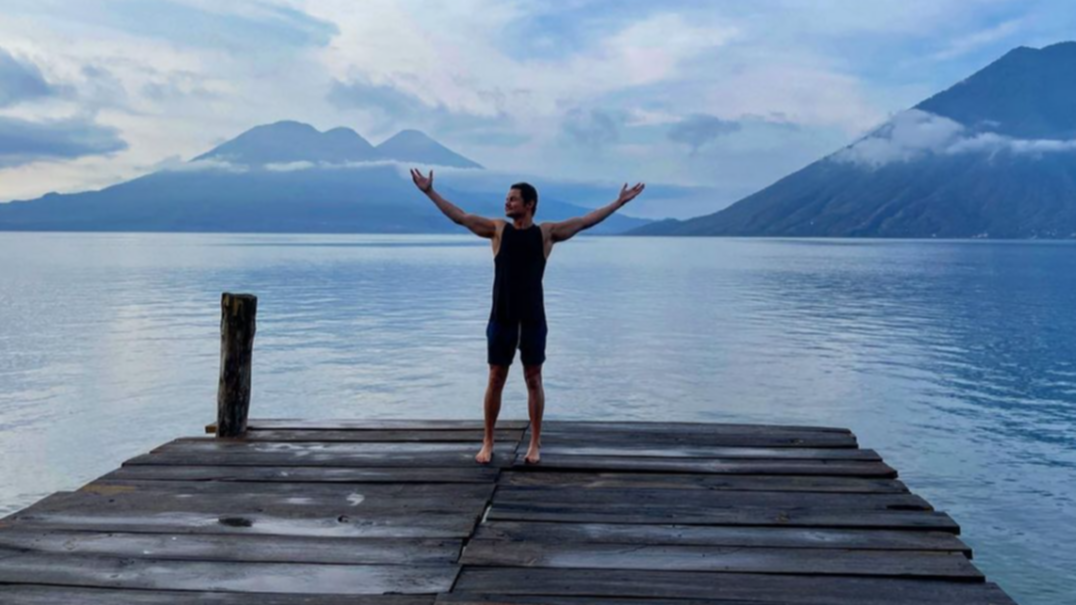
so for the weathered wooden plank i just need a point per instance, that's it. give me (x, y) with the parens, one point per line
(364, 492)
(358, 503)
(257, 548)
(691, 465)
(231, 446)
(700, 535)
(20, 594)
(700, 439)
(356, 424)
(239, 453)
(305, 475)
(382, 525)
(285, 578)
(501, 459)
(776, 483)
(399, 436)
(552, 447)
(664, 498)
(605, 513)
(480, 599)
(258, 424)
(593, 426)
(907, 564)
(764, 588)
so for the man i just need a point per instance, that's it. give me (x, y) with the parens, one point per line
(517, 319)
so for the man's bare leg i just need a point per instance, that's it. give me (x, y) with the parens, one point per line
(535, 407)
(498, 375)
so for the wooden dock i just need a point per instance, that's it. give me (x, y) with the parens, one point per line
(398, 513)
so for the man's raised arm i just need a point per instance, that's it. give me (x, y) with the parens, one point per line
(479, 225)
(566, 229)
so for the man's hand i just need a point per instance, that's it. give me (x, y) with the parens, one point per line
(564, 230)
(627, 195)
(424, 183)
(482, 227)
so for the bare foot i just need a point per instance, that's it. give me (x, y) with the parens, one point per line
(532, 457)
(485, 454)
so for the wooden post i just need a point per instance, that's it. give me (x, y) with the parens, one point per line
(237, 313)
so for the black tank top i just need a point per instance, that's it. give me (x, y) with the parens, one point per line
(518, 270)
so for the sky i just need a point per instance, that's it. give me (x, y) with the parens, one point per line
(730, 95)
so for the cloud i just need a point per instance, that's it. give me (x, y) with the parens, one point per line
(394, 100)
(497, 80)
(909, 135)
(974, 41)
(656, 48)
(177, 86)
(21, 81)
(387, 99)
(394, 106)
(23, 141)
(176, 164)
(699, 129)
(289, 166)
(914, 134)
(236, 25)
(463, 57)
(993, 143)
(102, 89)
(593, 128)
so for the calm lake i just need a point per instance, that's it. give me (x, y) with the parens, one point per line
(955, 360)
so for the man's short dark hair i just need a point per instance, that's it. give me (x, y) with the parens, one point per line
(529, 193)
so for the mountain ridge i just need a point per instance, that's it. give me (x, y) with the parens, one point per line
(409, 145)
(285, 177)
(290, 141)
(993, 156)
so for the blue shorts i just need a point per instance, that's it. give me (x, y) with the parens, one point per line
(502, 340)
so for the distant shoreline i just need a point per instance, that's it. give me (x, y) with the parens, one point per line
(806, 238)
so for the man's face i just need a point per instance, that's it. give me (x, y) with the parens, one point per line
(513, 204)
